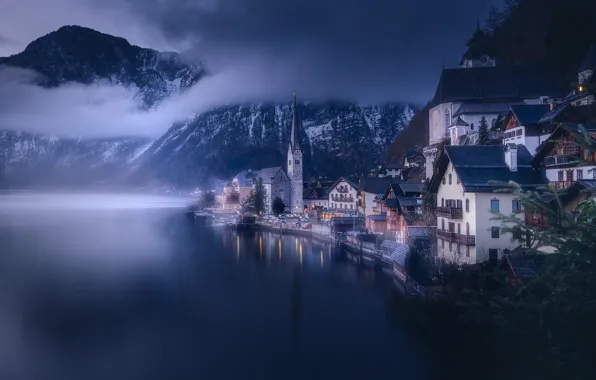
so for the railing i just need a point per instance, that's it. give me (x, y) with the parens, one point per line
(562, 159)
(450, 212)
(341, 199)
(454, 237)
(341, 189)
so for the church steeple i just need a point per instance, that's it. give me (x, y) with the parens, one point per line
(295, 136)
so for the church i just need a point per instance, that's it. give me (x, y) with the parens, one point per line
(286, 184)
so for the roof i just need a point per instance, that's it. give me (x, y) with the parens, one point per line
(482, 108)
(400, 254)
(396, 165)
(409, 201)
(481, 167)
(496, 83)
(295, 135)
(391, 203)
(378, 218)
(244, 176)
(417, 231)
(589, 62)
(529, 113)
(317, 192)
(460, 122)
(345, 180)
(374, 185)
(411, 187)
(526, 266)
(268, 173)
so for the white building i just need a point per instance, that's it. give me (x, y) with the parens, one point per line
(277, 184)
(316, 198)
(522, 127)
(467, 94)
(343, 196)
(466, 197)
(370, 191)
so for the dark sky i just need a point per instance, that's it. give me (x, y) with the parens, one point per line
(366, 50)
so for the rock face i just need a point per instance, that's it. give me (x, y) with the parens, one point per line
(338, 138)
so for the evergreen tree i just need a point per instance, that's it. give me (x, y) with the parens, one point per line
(207, 199)
(483, 138)
(259, 196)
(278, 206)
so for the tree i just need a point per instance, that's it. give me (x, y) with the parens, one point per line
(259, 194)
(207, 199)
(248, 205)
(483, 138)
(278, 206)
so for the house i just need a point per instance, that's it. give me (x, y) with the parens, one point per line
(231, 197)
(392, 170)
(563, 158)
(316, 198)
(467, 197)
(243, 183)
(376, 223)
(413, 158)
(465, 95)
(343, 196)
(370, 191)
(522, 127)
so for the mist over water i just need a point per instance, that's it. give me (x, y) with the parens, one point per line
(99, 286)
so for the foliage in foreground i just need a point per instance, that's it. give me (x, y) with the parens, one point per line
(278, 206)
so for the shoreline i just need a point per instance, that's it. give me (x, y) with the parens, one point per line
(295, 231)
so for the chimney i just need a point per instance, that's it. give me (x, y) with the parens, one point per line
(511, 156)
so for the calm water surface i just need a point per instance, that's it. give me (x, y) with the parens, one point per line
(123, 287)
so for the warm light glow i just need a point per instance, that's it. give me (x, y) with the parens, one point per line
(261, 246)
(300, 254)
(279, 247)
(238, 248)
(581, 88)
(321, 258)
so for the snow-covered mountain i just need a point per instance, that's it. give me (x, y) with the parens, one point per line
(339, 137)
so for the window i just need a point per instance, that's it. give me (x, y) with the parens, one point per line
(443, 244)
(467, 205)
(515, 206)
(570, 175)
(560, 176)
(442, 202)
(444, 180)
(459, 204)
(494, 205)
(467, 228)
(297, 162)
(290, 163)
(580, 174)
(494, 232)
(467, 251)
(472, 126)
(443, 224)
(447, 118)
(450, 246)
(458, 228)
(450, 178)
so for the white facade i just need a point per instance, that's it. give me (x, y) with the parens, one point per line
(295, 165)
(519, 136)
(343, 197)
(571, 174)
(311, 203)
(474, 219)
(367, 202)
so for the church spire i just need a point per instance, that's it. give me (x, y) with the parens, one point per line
(295, 137)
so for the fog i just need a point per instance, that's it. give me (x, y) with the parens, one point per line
(71, 267)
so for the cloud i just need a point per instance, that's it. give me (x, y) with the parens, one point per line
(256, 50)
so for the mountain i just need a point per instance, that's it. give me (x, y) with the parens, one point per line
(339, 137)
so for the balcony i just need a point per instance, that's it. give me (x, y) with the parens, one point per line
(468, 240)
(562, 184)
(341, 199)
(562, 159)
(342, 189)
(450, 212)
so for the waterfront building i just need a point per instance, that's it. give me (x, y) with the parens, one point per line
(467, 182)
(315, 198)
(343, 196)
(370, 192)
(522, 126)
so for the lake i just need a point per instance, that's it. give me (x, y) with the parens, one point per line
(103, 286)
